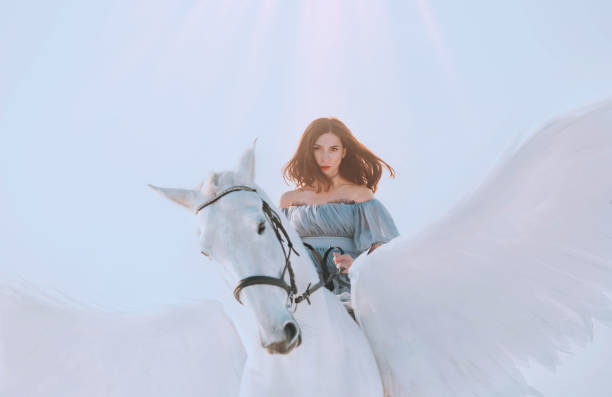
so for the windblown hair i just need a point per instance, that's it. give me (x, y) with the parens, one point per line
(359, 165)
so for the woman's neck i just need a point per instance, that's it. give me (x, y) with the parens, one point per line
(337, 181)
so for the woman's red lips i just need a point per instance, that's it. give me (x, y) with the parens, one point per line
(325, 167)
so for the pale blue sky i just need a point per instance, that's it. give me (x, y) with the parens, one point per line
(97, 99)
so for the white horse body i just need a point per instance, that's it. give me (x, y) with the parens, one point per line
(334, 359)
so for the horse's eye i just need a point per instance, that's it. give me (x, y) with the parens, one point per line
(261, 227)
(204, 253)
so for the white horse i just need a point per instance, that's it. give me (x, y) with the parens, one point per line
(242, 231)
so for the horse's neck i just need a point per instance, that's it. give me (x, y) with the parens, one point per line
(325, 320)
(304, 269)
(306, 276)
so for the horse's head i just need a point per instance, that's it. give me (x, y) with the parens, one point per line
(236, 230)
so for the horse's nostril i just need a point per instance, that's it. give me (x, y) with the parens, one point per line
(291, 331)
(293, 338)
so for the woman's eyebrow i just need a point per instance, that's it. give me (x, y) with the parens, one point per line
(333, 146)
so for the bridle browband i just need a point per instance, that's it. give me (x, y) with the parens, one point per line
(280, 232)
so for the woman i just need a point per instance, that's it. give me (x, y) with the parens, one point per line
(333, 204)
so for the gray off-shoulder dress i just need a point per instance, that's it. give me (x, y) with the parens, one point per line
(354, 227)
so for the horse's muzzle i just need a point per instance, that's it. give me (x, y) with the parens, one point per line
(293, 338)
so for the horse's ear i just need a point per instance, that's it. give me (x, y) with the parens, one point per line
(247, 163)
(185, 197)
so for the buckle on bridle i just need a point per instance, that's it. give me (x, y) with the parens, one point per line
(291, 303)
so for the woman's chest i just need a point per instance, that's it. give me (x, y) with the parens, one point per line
(330, 219)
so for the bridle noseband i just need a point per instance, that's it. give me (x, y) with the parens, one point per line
(280, 232)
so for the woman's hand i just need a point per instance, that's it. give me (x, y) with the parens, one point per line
(343, 262)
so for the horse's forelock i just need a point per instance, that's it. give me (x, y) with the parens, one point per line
(212, 184)
(216, 181)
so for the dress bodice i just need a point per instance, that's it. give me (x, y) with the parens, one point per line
(354, 227)
(366, 222)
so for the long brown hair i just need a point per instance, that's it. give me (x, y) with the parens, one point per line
(359, 166)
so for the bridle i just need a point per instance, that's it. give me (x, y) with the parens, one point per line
(279, 230)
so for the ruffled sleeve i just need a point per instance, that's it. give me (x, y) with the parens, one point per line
(373, 225)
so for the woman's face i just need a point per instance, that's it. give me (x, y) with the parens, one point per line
(328, 153)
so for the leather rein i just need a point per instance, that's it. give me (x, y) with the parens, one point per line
(282, 236)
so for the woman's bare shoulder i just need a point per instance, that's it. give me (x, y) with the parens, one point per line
(290, 197)
(358, 193)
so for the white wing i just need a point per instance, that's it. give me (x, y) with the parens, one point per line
(50, 348)
(518, 271)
